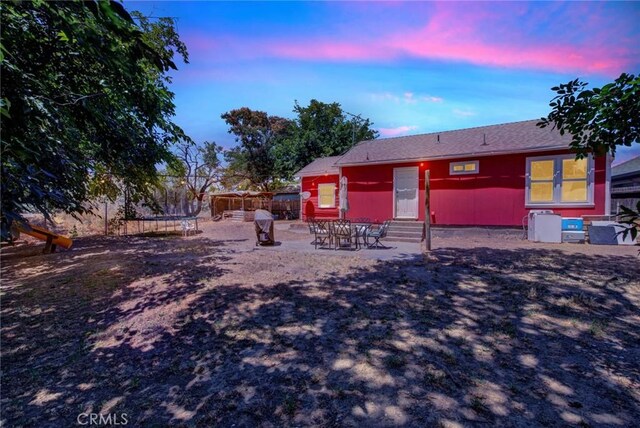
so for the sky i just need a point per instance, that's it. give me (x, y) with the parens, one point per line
(410, 67)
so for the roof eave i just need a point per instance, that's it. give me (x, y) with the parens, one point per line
(316, 173)
(625, 174)
(456, 156)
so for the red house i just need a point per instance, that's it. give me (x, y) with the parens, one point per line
(321, 180)
(486, 176)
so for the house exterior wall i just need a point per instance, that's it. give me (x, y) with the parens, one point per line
(493, 197)
(625, 191)
(310, 206)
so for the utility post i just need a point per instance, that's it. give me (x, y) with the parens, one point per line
(106, 223)
(103, 185)
(427, 212)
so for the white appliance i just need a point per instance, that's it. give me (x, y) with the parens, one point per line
(573, 236)
(544, 226)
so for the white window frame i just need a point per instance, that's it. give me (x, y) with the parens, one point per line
(452, 165)
(557, 183)
(333, 192)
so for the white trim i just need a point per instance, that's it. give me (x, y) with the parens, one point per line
(316, 174)
(557, 183)
(476, 168)
(333, 204)
(340, 212)
(607, 185)
(301, 206)
(395, 206)
(459, 156)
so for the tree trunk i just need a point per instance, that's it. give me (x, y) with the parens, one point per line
(198, 208)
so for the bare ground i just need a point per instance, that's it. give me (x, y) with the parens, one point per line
(210, 331)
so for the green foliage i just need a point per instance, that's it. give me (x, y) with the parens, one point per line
(631, 219)
(85, 104)
(162, 36)
(271, 149)
(123, 213)
(319, 130)
(252, 163)
(599, 120)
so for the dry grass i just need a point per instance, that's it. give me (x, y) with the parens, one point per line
(209, 331)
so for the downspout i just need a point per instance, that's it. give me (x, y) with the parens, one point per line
(340, 211)
(607, 185)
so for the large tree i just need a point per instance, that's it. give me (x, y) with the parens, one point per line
(253, 161)
(84, 95)
(197, 169)
(320, 129)
(599, 120)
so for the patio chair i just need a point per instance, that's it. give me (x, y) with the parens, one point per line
(342, 232)
(187, 227)
(311, 222)
(360, 231)
(378, 234)
(322, 233)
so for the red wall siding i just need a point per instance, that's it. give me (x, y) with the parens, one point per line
(494, 197)
(310, 206)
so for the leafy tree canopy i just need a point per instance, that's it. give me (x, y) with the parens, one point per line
(599, 119)
(84, 99)
(320, 130)
(253, 161)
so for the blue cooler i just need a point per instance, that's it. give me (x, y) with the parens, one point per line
(572, 224)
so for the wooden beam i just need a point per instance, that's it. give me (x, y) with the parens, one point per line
(427, 212)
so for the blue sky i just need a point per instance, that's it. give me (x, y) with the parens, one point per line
(410, 67)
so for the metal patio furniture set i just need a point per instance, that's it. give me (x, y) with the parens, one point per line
(347, 234)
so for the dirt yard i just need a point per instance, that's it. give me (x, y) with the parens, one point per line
(211, 331)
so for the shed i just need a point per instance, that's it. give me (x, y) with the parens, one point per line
(240, 205)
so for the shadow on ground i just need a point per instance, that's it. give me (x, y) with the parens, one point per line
(470, 337)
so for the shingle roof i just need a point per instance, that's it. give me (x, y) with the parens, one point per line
(320, 166)
(628, 167)
(485, 140)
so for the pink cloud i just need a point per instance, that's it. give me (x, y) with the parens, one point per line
(540, 36)
(396, 132)
(326, 50)
(560, 58)
(478, 34)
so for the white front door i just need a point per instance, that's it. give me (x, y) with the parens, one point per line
(405, 189)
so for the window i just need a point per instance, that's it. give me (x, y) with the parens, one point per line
(459, 168)
(559, 180)
(326, 195)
